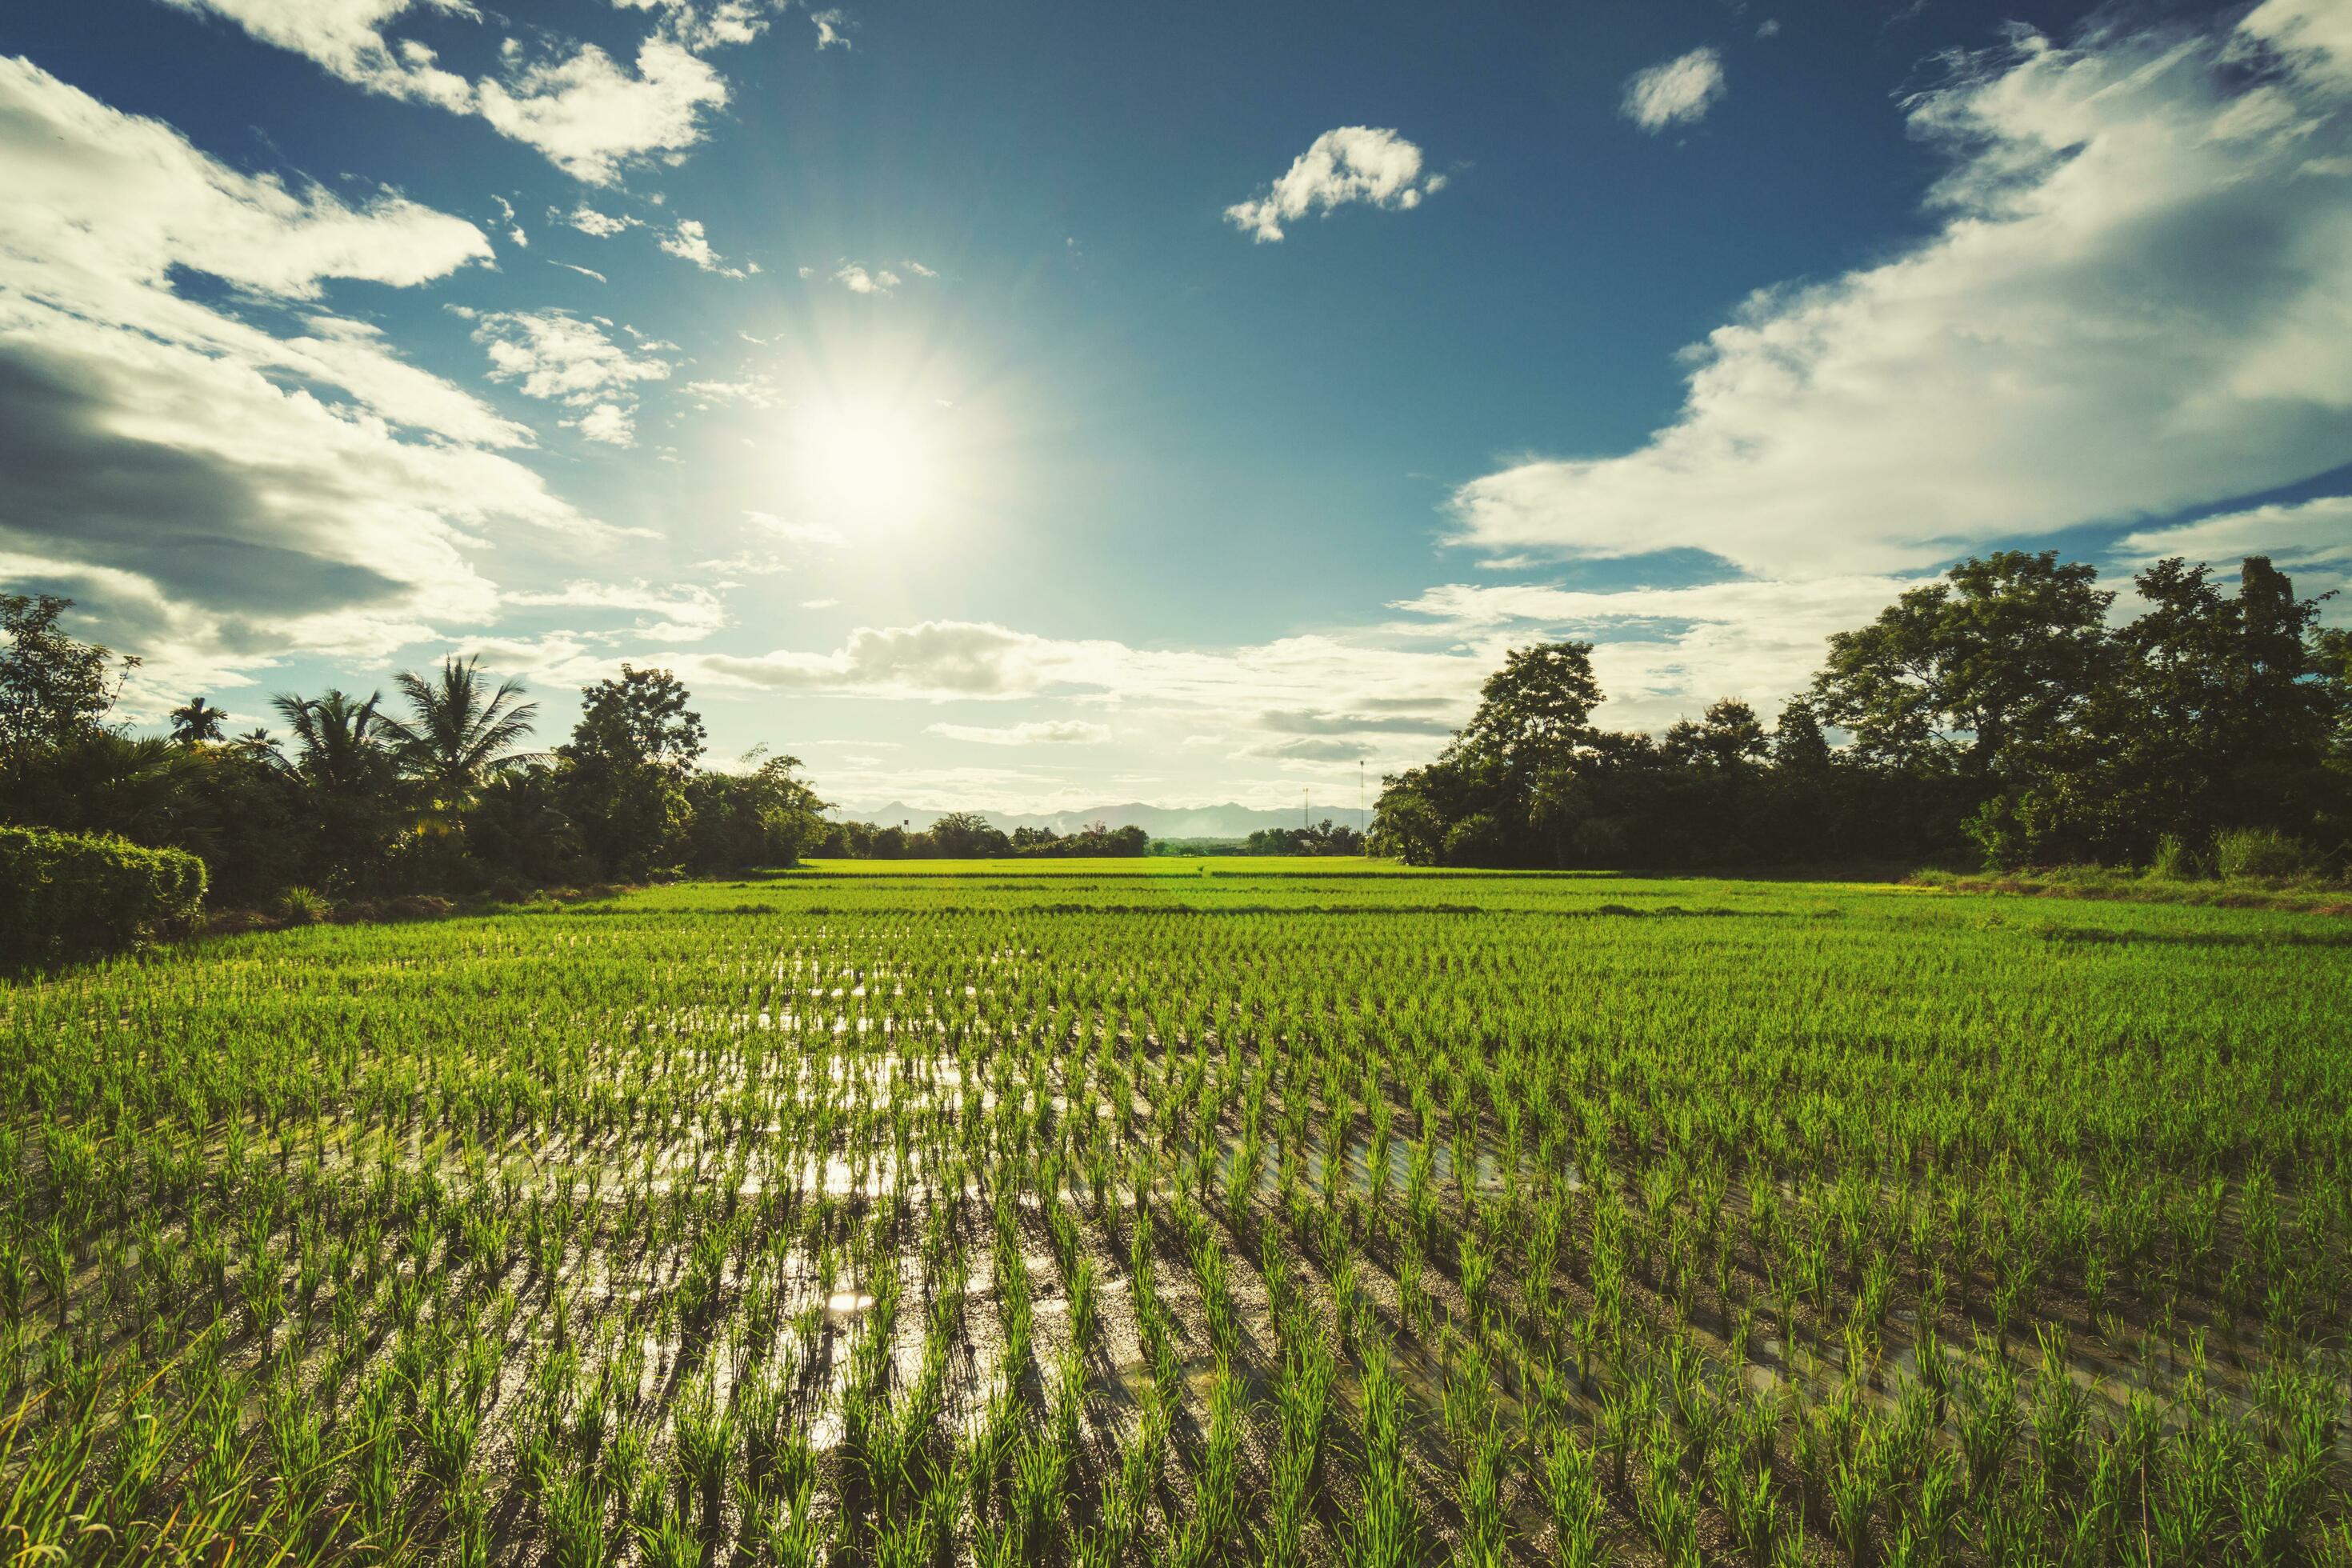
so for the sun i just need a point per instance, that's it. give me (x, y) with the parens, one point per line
(865, 465)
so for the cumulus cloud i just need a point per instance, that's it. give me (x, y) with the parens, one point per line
(1350, 165)
(2312, 539)
(606, 423)
(689, 243)
(854, 277)
(588, 114)
(1380, 676)
(604, 225)
(346, 37)
(2134, 303)
(707, 26)
(1037, 733)
(591, 118)
(832, 28)
(1678, 92)
(218, 493)
(1664, 653)
(564, 358)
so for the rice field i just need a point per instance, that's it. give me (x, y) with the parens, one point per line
(1188, 1213)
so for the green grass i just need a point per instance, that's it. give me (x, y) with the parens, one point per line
(1236, 1210)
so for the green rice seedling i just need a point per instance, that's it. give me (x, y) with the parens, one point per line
(789, 1533)
(1985, 1404)
(575, 1524)
(1857, 1483)
(1040, 1476)
(1384, 1532)
(1571, 1489)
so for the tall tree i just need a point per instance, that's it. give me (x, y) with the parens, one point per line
(2004, 653)
(339, 740)
(54, 687)
(460, 730)
(626, 767)
(350, 782)
(1535, 710)
(197, 722)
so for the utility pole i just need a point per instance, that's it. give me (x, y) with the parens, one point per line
(1363, 823)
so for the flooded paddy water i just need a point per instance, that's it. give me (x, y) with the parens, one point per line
(1197, 1213)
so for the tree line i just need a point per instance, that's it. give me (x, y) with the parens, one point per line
(967, 835)
(2003, 712)
(436, 792)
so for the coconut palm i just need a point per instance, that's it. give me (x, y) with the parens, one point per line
(460, 731)
(197, 722)
(339, 740)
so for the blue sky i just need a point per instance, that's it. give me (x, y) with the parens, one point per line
(1037, 406)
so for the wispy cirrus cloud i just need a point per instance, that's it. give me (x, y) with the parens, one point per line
(1034, 733)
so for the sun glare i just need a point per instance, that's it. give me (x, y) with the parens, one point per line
(865, 465)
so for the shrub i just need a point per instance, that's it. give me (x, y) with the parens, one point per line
(2174, 860)
(64, 895)
(303, 907)
(2259, 852)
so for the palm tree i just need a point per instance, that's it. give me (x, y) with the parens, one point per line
(197, 723)
(460, 732)
(340, 748)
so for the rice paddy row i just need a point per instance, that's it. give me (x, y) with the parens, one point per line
(1291, 1213)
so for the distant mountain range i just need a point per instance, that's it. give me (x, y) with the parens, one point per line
(1159, 821)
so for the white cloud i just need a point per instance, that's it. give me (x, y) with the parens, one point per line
(1678, 92)
(831, 28)
(590, 116)
(1172, 690)
(794, 530)
(607, 424)
(2317, 33)
(1664, 653)
(753, 390)
(681, 612)
(583, 272)
(604, 225)
(346, 37)
(858, 280)
(219, 493)
(710, 27)
(1037, 733)
(1351, 164)
(689, 242)
(561, 357)
(2311, 539)
(2139, 301)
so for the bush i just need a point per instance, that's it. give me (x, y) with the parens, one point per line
(303, 907)
(2260, 852)
(2174, 861)
(64, 895)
